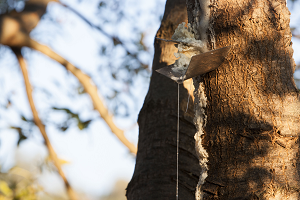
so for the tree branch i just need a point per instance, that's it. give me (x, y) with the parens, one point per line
(12, 35)
(90, 88)
(115, 39)
(40, 125)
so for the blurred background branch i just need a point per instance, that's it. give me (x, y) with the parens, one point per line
(40, 124)
(122, 61)
(90, 88)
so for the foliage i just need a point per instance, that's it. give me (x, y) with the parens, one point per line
(123, 63)
(18, 184)
(80, 124)
(124, 59)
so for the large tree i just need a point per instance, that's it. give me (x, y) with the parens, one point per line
(247, 109)
(155, 171)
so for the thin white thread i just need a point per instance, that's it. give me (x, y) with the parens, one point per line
(177, 140)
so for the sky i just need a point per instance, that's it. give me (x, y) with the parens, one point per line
(97, 158)
(295, 17)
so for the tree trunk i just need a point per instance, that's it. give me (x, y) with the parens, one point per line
(155, 171)
(252, 113)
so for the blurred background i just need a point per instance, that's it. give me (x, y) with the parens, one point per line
(112, 42)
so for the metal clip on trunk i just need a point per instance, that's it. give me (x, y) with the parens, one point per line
(200, 64)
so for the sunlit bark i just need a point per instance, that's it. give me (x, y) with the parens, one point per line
(253, 112)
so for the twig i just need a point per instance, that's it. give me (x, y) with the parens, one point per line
(86, 20)
(90, 88)
(15, 37)
(41, 126)
(114, 38)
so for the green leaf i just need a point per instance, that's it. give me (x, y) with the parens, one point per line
(22, 137)
(62, 109)
(80, 124)
(63, 128)
(116, 41)
(24, 118)
(68, 111)
(83, 125)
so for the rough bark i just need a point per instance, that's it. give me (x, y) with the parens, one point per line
(253, 115)
(155, 171)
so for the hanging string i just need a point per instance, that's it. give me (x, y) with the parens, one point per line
(177, 140)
